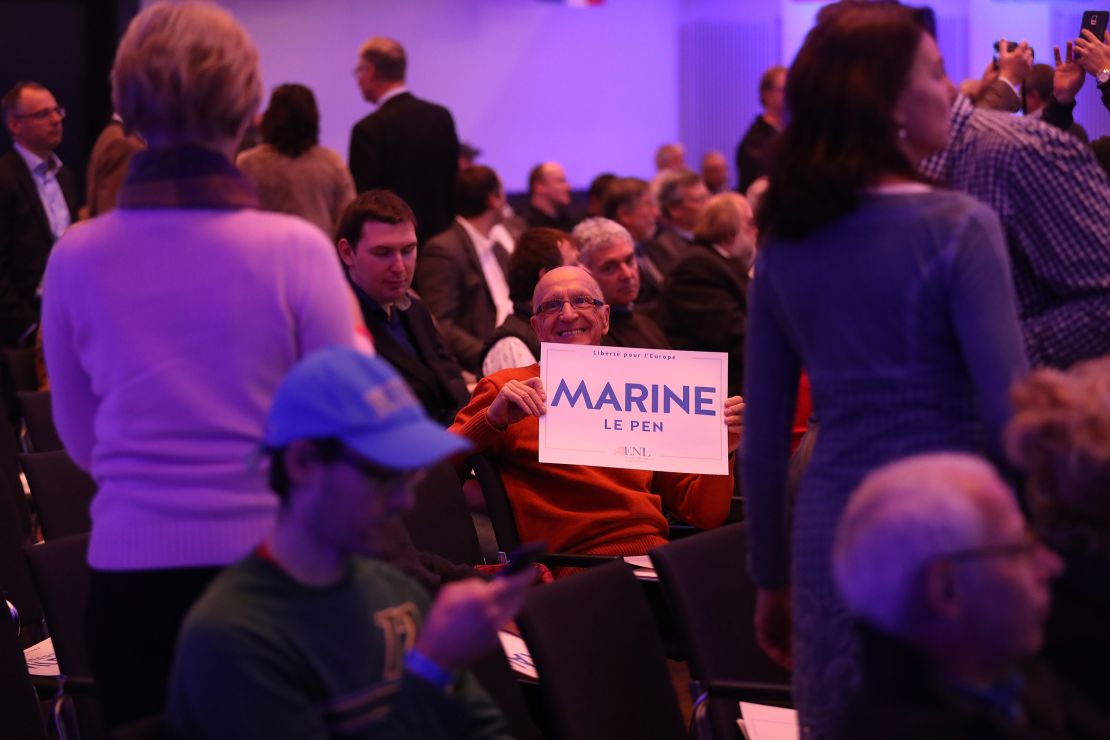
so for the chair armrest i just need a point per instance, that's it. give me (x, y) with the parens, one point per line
(776, 694)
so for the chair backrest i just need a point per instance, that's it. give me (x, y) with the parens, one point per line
(39, 418)
(599, 657)
(19, 371)
(15, 577)
(705, 580)
(19, 706)
(440, 521)
(61, 574)
(498, 506)
(61, 491)
(10, 484)
(497, 678)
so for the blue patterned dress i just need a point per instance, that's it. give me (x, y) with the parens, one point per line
(903, 315)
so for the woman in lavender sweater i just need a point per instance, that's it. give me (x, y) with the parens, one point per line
(168, 324)
(894, 296)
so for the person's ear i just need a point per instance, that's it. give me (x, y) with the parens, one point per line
(300, 461)
(605, 319)
(943, 590)
(346, 252)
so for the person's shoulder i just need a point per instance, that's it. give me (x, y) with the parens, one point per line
(236, 597)
(452, 238)
(10, 164)
(389, 579)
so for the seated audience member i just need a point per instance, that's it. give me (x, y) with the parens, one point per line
(714, 172)
(682, 198)
(753, 153)
(630, 202)
(704, 301)
(1060, 435)
(377, 244)
(461, 271)
(579, 508)
(514, 343)
(595, 196)
(108, 163)
(308, 636)
(1051, 196)
(670, 157)
(607, 253)
(549, 198)
(933, 557)
(292, 172)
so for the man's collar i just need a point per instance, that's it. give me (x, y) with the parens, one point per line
(188, 176)
(482, 243)
(386, 97)
(34, 161)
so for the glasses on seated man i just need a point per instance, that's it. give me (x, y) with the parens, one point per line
(578, 303)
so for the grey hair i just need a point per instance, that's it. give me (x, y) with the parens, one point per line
(903, 516)
(597, 233)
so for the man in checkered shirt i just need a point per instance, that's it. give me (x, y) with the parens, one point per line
(1054, 203)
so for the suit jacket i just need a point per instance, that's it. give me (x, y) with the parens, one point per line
(704, 306)
(25, 243)
(666, 247)
(409, 146)
(449, 278)
(432, 373)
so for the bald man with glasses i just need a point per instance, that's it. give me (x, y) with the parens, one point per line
(38, 202)
(581, 508)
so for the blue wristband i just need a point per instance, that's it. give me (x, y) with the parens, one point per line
(421, 665)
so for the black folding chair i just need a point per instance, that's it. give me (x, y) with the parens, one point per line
(705, 582)
(602, 671)
(19, 704)
(38, 417)
(440, 521)
(61, 491)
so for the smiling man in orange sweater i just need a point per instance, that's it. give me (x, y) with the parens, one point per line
(580, 508)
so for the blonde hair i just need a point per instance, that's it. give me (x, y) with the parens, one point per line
(186, 72)
(1060, 435)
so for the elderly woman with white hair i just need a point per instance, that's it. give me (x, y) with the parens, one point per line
(168, 324)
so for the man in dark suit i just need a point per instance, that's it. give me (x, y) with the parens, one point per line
(408, 145)
(549, 198)
(38, 201)
(630, 202)
(377, 244)
(462, 270)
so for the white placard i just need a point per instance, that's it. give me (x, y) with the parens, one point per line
(646, 409)
(762, 722)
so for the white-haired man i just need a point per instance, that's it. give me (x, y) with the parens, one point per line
(933, 556)
(607, 251)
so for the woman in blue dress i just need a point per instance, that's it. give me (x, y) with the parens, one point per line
(895, 297)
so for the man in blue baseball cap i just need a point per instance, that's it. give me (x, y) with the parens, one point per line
(308, 637)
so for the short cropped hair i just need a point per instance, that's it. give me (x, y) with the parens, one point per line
(378, 206)
(473, 188)
(597, 233)
(328, 450)
(767, 81)
(1039, 80)
(1060, 435)
(187, 72)
(291, 123)
(621, 193)
(535, 176)
(599, 184)
(9, 104)
(673, 186)
(668, 155)
(387, 56)
(721, 220)
(902, 517)
(536, 249)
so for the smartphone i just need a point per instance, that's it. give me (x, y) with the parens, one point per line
(523, 557)
(1095, 22)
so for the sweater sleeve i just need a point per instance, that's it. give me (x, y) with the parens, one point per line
(72, 397)
(771, 385)
(701, 500)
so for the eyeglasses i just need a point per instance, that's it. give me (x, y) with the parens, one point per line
(579, 303)
(389, 477)
(1027, 547)
(42, 115)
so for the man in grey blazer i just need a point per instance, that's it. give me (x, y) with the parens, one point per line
(461, 271)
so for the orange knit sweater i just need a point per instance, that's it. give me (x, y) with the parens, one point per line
(579, 508)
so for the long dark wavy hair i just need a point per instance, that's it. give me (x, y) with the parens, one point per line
(840, 95)
(291, 123)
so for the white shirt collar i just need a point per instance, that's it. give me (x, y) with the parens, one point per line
(33, 160)
(482, 243)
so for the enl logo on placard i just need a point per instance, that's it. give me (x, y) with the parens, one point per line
(629, 451)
